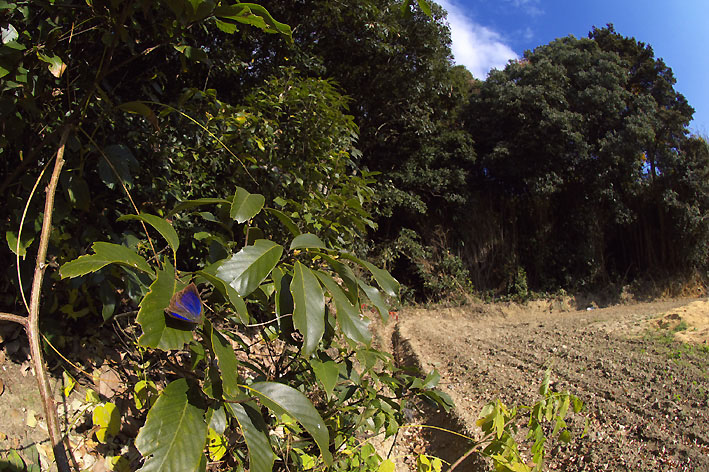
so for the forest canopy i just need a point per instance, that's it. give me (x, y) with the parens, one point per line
(572, 166)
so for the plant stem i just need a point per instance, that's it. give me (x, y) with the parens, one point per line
(32, 326)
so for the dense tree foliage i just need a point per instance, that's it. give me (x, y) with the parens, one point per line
(572, 140)
(167, 184)
(557, 161)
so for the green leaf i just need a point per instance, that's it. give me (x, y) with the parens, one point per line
(425, 7)
(217, 419)
(108, 419)
(105, 253)
(189, 204)
(196, 54)
(282, 398)
(307, 240)
(245, 205)
(387, 466)
(229, 293)
(160, 224)
(13, 462)
(253, 427)
(499, 421)
(228, 365)
(578, 404)
(388, 283)
(544, 387)
(55, 64)
(69, 383)
(254, 15)
(564, 407)
(216, 445)
(327, 374)
(436, 464)
(432, 379)
(280, 291)
(26, 241)
(140, 108)
(565, 436)
(423, 464)
(351, 323)
(347, 275)
(309, 311)
(376, 297)
(285, 220)
(558, 425)
(246, 269)
(107, 296)
(175, 432)
(144, 393)
(152, 318)
(228, 28)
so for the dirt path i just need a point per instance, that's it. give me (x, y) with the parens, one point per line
(647, 397)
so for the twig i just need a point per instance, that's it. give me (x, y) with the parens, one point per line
(14, 318)
(32, 324)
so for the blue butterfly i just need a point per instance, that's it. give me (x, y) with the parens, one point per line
(186, 305)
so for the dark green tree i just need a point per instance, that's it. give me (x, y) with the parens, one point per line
(562, 138)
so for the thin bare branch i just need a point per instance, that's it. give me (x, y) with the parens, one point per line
(14, 318)
(32, 326)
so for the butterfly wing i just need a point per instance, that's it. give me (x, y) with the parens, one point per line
(186, 305)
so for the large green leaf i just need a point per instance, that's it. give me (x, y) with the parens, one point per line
(175, 432)
(285, 220)
(376, 297)
(253, 427)
(327, 374)
(347, 275)
(160, 224)
(140, 108)
(105, 253)
(246, 269)
(245, 205)
(282, 398)
(388, 283)
(228, 291)
(307, 240)
(254, 15)
(283, 299)
(152, 319)
(228, 364)
(309, 307)
(351, 323)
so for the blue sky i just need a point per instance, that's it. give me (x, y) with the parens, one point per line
(486, 34)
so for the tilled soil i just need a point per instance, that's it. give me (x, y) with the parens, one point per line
(646, 397)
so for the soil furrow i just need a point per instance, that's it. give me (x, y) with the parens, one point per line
(646, 397)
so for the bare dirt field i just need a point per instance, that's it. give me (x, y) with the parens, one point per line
(642, 371)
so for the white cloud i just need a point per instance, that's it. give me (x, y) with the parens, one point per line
(529, 6)
(475, 46)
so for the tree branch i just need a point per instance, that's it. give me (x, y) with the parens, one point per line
(32, 323)
(14, 318)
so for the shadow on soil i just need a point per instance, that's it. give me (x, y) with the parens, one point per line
(444, 445)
